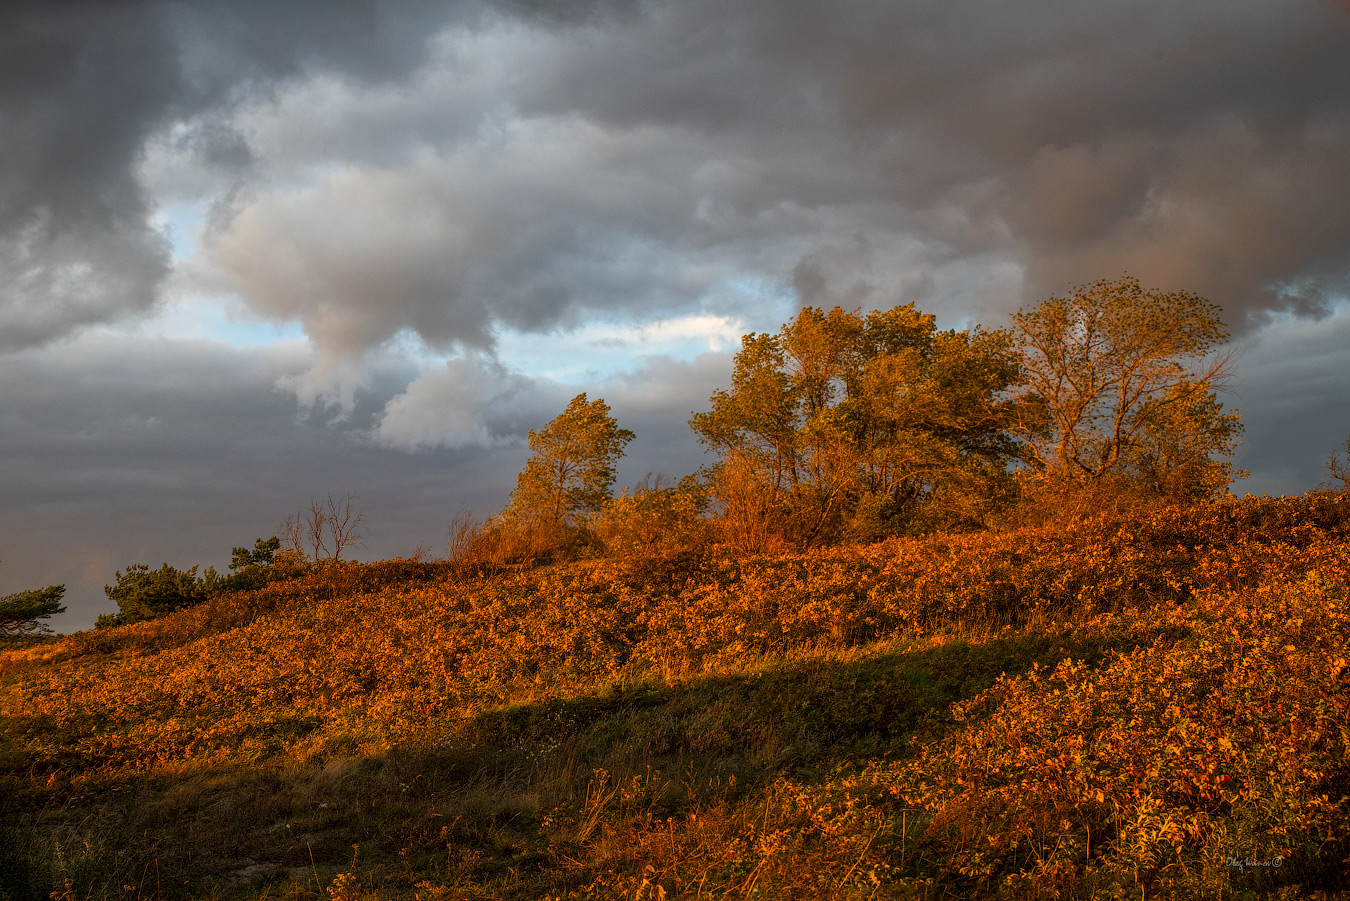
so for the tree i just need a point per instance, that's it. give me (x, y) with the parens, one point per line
(345, 526)
(571, 471)
(21, 613)
(1339, 469)
(143, 593)
(253, 568)
(264, 553)
(329, 530)
(292, 535)
(852, 425)
(1120, 390)
(316, 524)
(657, 518)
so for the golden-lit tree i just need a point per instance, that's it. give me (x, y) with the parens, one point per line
(1121, 389)
(851, 424)
(572, 469)
(655, 518)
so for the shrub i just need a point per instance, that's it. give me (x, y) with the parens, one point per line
(654, 520)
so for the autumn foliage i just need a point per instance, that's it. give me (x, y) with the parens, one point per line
(1136, 701)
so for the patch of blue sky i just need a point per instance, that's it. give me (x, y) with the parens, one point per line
(603, 347)
(763, 303)
(195, 316)
(181, 225)
(600, 349)
(218, 319)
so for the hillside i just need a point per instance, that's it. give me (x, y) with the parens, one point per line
(1155, 706)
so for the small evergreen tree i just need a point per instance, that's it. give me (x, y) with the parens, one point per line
(21, 613)
(264, 553)
(143, 593)
(265, 563)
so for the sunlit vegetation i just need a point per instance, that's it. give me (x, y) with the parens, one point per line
(142, 593)
(948, 616)
(1127, 706)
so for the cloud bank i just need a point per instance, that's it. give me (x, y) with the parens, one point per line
(421, 226)
(456, 170)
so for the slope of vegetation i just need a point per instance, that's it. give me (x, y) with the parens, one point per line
(1139, 706)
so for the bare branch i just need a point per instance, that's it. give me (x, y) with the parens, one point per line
(1340, 470)
(316, 523)
(292, 534)
(344, 525)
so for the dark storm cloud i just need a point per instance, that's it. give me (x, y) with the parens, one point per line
(1200, 145)
(1290, 386)
(80, 86)
(863, 153)
(612, 155)
(84, 85)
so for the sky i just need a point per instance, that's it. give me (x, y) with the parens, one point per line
(254, 253)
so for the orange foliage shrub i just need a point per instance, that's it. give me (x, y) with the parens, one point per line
(652, 521)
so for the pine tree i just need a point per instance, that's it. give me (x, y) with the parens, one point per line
(21, 613)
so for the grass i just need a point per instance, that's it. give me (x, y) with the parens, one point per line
(1151, 707)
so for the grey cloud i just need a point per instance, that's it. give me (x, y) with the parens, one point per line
(82, 88)
(1290, 388)
(529, 232)
(115, 452)
(473, 402)
(1202, 146)
(1199, 145)
(655, 400)
(478, 402)
(79, 88)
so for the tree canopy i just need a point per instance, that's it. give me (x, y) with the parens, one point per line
(22, 613)
(143, 593)
(850, 423)
(264, 553)
(1121, 386)
(571, 471)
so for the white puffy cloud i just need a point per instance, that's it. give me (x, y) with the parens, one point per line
(472, 402)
